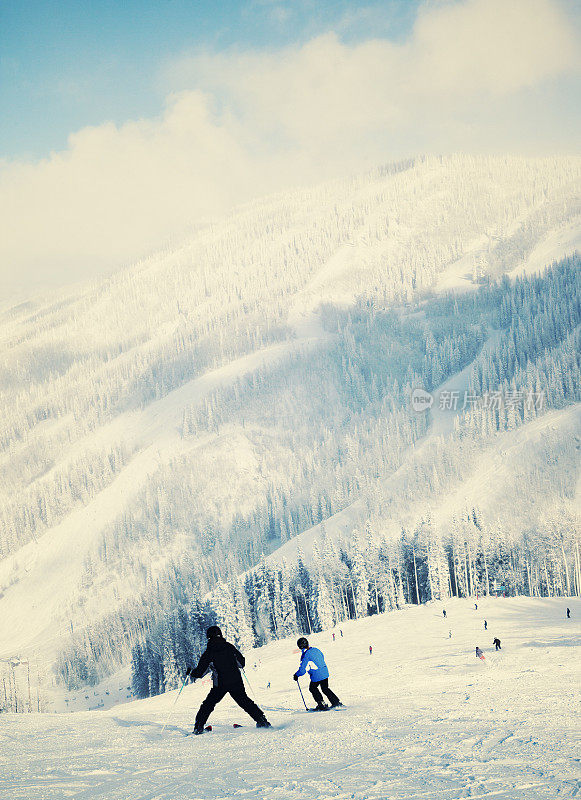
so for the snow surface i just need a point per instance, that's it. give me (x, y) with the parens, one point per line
(557, 244)
(443, 415)
(424, 719)
(458, 276)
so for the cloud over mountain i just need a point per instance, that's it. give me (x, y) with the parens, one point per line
(471, 76)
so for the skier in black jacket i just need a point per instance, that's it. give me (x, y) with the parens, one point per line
(225, 661)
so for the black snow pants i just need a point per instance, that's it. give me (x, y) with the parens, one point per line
(217, 693)
(324, 684)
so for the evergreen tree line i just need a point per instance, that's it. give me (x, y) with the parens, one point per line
(359, 578)
(536, 363)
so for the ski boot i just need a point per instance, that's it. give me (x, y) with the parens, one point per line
(263, 723)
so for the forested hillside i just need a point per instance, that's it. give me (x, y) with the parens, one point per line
(453, 547)
(226, 430)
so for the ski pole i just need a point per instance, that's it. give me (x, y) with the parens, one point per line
(301, 693)
(173, 706)
(248, 682)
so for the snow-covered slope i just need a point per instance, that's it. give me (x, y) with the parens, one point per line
(557, 244)
(43, 575)
(201, 369)
(424, 718)
(491, 480)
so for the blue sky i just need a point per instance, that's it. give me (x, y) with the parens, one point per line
(124, 123)
(66, 64)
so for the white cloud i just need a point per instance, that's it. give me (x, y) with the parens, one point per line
(490, 46)
(117, 192)
(459, 53)
(247, 123)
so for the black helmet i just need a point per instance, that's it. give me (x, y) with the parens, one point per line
(213, 631)
(302, 643)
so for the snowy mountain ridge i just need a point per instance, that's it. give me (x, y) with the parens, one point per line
(215, 401)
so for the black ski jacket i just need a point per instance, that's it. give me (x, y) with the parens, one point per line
(224, 660)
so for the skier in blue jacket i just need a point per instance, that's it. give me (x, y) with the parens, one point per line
(313, 661)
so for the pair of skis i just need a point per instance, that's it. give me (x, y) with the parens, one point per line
(209, 729)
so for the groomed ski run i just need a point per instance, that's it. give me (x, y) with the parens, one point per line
(425, 720)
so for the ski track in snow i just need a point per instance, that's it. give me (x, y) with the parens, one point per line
(425, 720)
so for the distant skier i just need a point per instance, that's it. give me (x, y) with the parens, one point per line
(475, 606)
(333, 636)
(225, 661)
(568, 613)
(314, 660)
(444, 612)
(341, 632)
(479, 654)
(485, 625)
(268, 685)
(496, 643)
(449, 634)
(370, 649)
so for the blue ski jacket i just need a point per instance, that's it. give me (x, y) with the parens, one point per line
(314, 661)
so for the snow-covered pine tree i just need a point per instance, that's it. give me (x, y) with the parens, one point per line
(244, 629)
(324, 605)
(264, 591)
(360, 577)
(439, 578)
(171, 674)
(139, 675)
(225, 609)
(288, 611)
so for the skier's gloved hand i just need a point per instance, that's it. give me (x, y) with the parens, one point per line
(295, 677)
